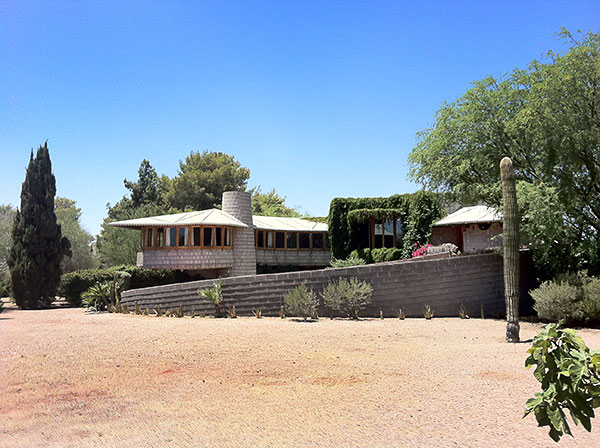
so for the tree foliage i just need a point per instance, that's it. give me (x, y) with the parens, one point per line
(202, 179)
(569, 374)
(68, 215)
(38, 246)
(7, 217)
(545, 118)
(271, 204)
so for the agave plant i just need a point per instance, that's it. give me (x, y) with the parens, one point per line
(214, 295)
(428, 312)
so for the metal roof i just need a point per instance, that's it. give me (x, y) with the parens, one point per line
(212, 217)
(288, 224)
(471, 215)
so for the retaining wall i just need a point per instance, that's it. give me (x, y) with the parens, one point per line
(443, 283)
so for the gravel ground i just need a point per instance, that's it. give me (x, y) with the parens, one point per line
(70, 379)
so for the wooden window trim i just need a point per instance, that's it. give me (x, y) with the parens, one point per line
(190, 236)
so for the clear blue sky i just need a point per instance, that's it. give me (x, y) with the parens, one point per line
(318, 98)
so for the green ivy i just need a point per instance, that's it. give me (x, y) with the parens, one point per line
(570, 376)
(417, 211)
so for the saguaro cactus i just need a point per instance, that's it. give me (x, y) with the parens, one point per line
(511, 249)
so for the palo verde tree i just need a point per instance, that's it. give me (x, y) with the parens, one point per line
(38, 246)
(545, 118)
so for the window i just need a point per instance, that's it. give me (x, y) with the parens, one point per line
(171, 236)
(292, 240)
(318, 242)
(149, 237)
(218, 237)
(260, 238)
(388, 233)
(160, 237)
(305, 241)
(280, 240)
(227, 242)
(197, 237)
(208, 237)
(269, 244)
(378, 234)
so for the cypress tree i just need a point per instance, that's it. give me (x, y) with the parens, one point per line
(38, 246)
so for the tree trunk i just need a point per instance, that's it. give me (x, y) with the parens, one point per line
(511, 249)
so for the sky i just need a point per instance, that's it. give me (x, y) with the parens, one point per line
(319, 99)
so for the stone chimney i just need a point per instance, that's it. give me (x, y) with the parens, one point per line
(239, 205)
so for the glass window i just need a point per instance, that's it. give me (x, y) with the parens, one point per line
(196, 237)
(269, 240)
(260, 238)
(218, 237)
(378, 234)
(305, 241)
(182, 237)
(227, 242)
(388, 229)
(160, 237)
(171, 236)
(318, 242)
(279, 240)
(208, 236)
(149, 237)
(399, 230)
(292, 240)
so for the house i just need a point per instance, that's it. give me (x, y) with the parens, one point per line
(472, 229)
(229, 242)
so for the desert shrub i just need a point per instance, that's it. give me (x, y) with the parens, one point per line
(106, 294)
(569, 374)
(4, 288)
(301, 301)
(574, 298)
(73, 284)
(214, 295)
(348, 296)
(348, 262)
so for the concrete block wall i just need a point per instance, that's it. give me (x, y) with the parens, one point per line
(239, 205)
(186, 258)
(291, 257)
(442, 282)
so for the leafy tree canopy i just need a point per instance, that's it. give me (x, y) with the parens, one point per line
(546, 119)
(271, 204)
(202, 179)
(68, 216)
(7, 216)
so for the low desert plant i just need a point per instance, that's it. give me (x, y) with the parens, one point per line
(282, 312)
(481, 310)
(232, 313)
(401, 314)
(381, 314)
(124, 308)
(569, 374)
(348, 296)
(301, 301)
(97, 297)
(192, 313)
(352, 260)
(257, 313)
(178, 311)
(168, 313)
(462, 311)
(202, 315)
(158, 311)
(214, 295)
(574, 298)
(145, 312)
(428, 312)
(137, 310)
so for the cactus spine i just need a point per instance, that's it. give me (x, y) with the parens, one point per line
(511, 249)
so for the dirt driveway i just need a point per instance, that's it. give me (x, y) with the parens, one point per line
(88, 380)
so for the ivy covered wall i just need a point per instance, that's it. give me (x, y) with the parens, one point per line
(417, 211)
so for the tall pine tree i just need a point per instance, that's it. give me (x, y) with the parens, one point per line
(37, 244)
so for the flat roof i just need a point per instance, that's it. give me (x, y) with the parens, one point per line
(288, 224)
(212, 217)
(475, 214)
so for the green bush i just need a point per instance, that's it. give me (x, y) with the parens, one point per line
(574, 298)
(348, 262)
(4, 288)
(377, 255)
(301, 301)
(214, 295)
(74, 284)
(348, 296)
(97, 296)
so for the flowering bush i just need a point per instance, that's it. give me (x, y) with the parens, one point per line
(420, 251)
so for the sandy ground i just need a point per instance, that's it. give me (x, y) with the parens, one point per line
(70, 379)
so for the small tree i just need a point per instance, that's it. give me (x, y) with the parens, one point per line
(570, 377)
(38, 246)
(301, 301)
(348, 296)
(214, 295)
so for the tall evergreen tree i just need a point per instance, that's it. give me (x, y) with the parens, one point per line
(38, 246)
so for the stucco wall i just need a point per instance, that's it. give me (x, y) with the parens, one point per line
(444, 283)
(475, 239)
